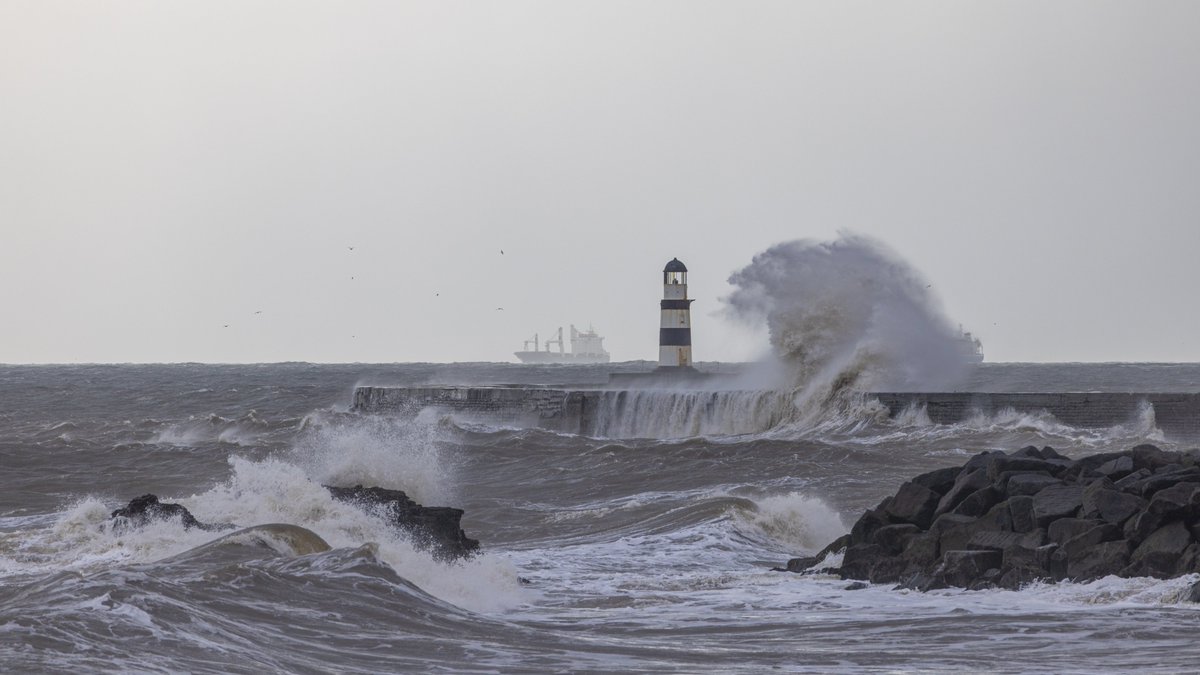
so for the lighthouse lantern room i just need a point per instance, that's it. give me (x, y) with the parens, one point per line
(675, 332)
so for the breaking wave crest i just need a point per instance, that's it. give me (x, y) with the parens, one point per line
(845, 314)
(284, 509)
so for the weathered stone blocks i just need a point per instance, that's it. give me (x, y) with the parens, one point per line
(1007, 520)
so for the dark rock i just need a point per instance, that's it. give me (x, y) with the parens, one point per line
(1171, 468)
(1058, 564)
(1189, 560)
(1150, 457)
(1027, 451)
(1130, 483)
(921, 552)
(997, 518)
(1078, 545)
(954, 531)
(1064, 529)
(924, 581)
(1090, 463)
(1002, 464)
(894, 538)
(856, 586)
(986, 580)
(966, 483)
(859, 560)
(835, 546)
(1159, 554)
(1029, 484)
(1007, 520)
(978, 502)
(886, 571)
(1193, 594)
(1020, 511)
(960, 568)
(1002, 541)
(809, 563)
(1178, 501)
(1050, 454)
(939, 480)
(1030, 562)
(866, 525)
(1060, 501)
(981, 460)
(1116, 509)
(1116, 468)
(914, 504)
(1014, 578)
(1109, 504)
(436, 528)
(1160, 481)
(1098, 561)
(798, 565)
(1090, 493)
(1141, 525)
(147, 508)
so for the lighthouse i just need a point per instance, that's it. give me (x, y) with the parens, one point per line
(675, 332)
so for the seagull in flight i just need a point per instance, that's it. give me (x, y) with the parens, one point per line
(499, 309)
(350, 247)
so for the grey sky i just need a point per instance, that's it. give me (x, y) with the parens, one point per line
(168, 168)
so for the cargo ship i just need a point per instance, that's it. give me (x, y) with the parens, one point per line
(586, 347)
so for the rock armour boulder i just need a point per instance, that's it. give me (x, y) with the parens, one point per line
(1008, 520)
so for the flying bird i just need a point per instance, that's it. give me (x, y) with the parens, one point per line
(350, 247)
(499, 309)
(501, 251)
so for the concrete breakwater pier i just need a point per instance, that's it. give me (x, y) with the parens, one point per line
(594, 411)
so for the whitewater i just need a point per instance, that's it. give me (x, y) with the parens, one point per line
(630, 550)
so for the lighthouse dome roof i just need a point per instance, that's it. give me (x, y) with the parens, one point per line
(675, 266)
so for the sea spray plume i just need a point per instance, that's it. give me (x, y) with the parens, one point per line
(846, 314)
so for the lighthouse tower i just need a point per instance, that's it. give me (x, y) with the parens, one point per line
(675, 333)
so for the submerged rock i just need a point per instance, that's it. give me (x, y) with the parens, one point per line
(147, 508)
(1008, 520)
(436, 528)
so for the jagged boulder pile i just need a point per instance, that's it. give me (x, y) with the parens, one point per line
(435, 528)
(1004, 520)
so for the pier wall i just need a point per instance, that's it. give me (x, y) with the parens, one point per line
(529, 406)
(1177, 415)
(576, 411)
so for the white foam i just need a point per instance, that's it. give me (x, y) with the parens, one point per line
(797, 521)
(275, 491)
(379, 451)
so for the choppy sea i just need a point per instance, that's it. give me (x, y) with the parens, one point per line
(646, 550)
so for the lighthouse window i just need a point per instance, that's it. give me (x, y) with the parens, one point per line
(675, 278)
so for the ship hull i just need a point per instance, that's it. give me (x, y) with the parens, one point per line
(555, 357)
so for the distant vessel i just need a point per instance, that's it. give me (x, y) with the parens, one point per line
(586, 347)
(969, 346)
